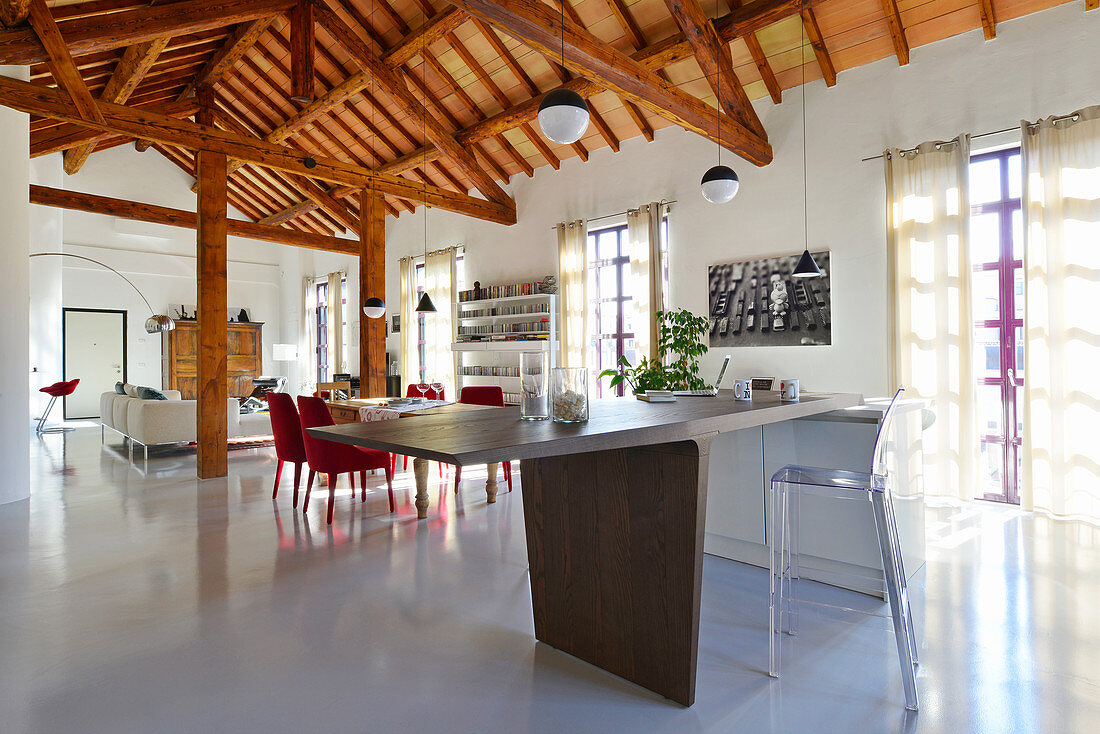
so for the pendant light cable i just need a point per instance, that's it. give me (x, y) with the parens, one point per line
(805, 168)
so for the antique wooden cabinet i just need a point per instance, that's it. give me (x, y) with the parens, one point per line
(180, 358)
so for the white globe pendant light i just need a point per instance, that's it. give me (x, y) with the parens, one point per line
(719, 184)
(374, 308)
(563, 116)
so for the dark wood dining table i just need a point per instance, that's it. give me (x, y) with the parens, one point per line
(614, 511)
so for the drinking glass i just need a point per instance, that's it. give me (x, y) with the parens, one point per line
(423, 387)
(534, 404)
(569, 394)
(437, 389)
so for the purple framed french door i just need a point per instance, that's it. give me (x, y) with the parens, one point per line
(996, 245)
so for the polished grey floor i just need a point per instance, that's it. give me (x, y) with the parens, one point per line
(133, 602)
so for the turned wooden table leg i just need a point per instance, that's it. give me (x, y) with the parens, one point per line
(491, 482)
(420, 472)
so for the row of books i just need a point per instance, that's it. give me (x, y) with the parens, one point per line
(485, 371)
(506, 310)
(502, 337)
(499, 291)
(518, 327)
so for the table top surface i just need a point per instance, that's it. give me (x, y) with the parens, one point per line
(455, 434)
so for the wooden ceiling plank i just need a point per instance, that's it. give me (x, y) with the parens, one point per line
(509, 59)
(244, 36)
(817, 41)
(303, 51)
(714, 59)
(637, 40)
(387, 10)
(989, 20)
(543, 148)
(541, 28)
(760, 59)
(128, 74)
(101, 33)
(60, 61)
(400, 93)
(897, 31)
(141, 123)
(602, 127)
(433, 30)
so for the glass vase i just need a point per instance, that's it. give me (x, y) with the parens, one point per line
(534, 404)
(569, 395)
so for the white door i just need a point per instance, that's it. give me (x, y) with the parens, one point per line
(95, 352)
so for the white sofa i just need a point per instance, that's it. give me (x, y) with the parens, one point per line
(152, 422)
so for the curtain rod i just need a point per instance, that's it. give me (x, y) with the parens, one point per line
(619, 214)
(1031, 126)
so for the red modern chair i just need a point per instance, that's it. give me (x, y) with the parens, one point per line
(57, 390)
(289, 446)
(333, 459)
(412, 392)
(484, 395)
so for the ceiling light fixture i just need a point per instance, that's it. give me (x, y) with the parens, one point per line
(374, 308)
(563, 114)
(807, 266)
(424, 305)
(720, 183)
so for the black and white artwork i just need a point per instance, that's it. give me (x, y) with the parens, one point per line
(183, 311)
(756, 303)
(238, 315)
(396, 324)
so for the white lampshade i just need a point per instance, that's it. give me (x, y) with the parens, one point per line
(719, 184)
(563, 116)
(374, 308)
(284, 352)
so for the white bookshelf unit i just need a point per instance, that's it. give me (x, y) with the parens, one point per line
(507, 327)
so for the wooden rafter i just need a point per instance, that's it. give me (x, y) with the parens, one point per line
(243, 37)
(14, 12)
(1091, 5)
(897, 31)
(989, 20)
(66, 135)
(542, 29)
(714, 59)
(125, 209)
(303, 51)
(128, 74)
(125, 28)
(760, 59)
(60, 61)
(817, 42)
(142, 124)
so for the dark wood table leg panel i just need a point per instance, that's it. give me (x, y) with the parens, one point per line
(615, 545)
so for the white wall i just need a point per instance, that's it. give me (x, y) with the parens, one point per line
(1039, 65)
(160, 260)
(14, 297)
(45, 285)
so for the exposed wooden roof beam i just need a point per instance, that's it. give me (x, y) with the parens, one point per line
(14, 12)
(128, 74)
(400, 94)
(244, 36)
(143, 124)
(77, 201)
(1091, 5)
(760, 59)
(60, 61)
(67, 135)
(897, 31)
(817, 41)
(542, 29)
(303, 50)
(714, 59)
(114, 30)
(989, 20)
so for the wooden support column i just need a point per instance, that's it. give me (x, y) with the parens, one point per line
(213, 426)
(302, 50)
(372, 282)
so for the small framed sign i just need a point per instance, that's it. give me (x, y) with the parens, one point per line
(762, 383)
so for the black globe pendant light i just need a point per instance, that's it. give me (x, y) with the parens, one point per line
(720, 183)
(563, 114)
(374, 308)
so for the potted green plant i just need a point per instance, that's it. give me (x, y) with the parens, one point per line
(680, 344)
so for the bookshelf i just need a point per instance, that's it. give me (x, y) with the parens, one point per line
(493, 332)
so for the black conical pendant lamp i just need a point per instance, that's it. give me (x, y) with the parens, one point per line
(807, 266)
(425, 305)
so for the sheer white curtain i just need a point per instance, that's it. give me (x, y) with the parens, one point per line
(307, 346)
(1061, 200)
(573, 292)
(439, 327)
(409, 353)
(928, 212)
(646, 274)
(335, 294)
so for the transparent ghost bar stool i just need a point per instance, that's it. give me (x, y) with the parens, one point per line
(787, 487)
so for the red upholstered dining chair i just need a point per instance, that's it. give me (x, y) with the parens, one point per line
(57, 390)
(333, 459)
(484, 395)
(287, 428)
(412, 392)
